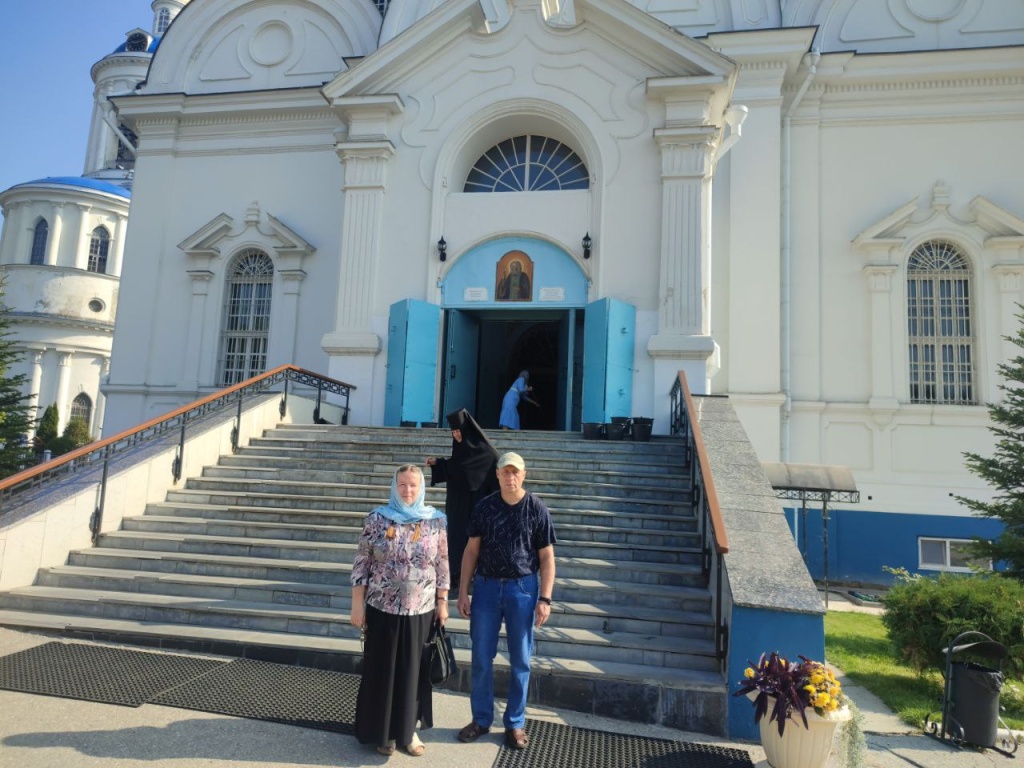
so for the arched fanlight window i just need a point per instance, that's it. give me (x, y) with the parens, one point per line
(940, 325)
(163, 21)
(39, 237)
(246, 326)
(99, 249)
(528, 164)
(81, 408)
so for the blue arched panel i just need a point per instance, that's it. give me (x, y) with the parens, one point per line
(557, 280)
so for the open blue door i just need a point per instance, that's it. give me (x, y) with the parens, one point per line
(609, 334)
(461, 360)
(412, 362)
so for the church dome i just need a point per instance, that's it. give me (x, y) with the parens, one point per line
(80, 182)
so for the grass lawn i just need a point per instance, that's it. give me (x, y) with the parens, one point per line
(858, 645)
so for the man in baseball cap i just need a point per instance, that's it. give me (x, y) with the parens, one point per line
(510, 559)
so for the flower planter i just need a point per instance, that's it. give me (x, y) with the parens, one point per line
(800, 747)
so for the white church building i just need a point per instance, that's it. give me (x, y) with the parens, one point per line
(814, 207)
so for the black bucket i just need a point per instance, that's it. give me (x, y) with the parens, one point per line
(592, 430)
(641, 429)
(614, 431)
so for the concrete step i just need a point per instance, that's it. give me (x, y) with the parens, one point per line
(648, 649)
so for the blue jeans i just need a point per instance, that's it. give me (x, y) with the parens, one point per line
(515, 601)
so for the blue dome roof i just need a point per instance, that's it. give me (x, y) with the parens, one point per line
(82, 183)
(123, 47)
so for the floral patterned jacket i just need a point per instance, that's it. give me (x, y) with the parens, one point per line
(402, 566)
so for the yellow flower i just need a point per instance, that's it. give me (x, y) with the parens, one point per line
(817, 678)
(748, 673)
(822, 700)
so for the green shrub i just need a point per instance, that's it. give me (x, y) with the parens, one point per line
(923, 616)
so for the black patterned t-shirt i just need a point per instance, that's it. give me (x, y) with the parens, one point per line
(510, 535)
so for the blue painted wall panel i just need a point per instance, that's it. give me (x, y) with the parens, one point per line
(862, 542)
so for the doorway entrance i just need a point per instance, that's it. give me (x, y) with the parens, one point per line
(486, 349)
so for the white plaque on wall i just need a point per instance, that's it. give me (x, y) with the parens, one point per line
(474, 294)
(552, 294)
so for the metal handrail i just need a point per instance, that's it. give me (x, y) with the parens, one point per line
(89, 456)
(711, 527)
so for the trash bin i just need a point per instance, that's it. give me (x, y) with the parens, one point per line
(592, 430)
(614, 431)
(974, 701)
(641, 428)
(624, 421)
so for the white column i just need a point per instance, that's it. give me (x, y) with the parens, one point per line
(22, 232)
(117, 247)
(36, 383)
(683, 308)
(101, 400)
(80, 258)
(283, 336)
(63, 384)
(365, 173)
(883, 363)
(194, 341)
(56, 226)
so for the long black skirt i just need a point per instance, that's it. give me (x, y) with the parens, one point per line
(394, 692)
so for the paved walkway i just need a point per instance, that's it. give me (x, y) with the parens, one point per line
(44, 731)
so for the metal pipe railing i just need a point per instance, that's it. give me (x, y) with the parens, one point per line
(710, 525)
(99, 453)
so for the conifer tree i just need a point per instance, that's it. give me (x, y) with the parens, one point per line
(15, 452)
(1004, 469)
(47, 434)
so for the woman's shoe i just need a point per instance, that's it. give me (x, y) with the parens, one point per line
(387, 749)
(415, 748)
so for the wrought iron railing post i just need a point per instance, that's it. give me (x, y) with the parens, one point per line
(96, 521)
(179, 455)
(316, 411)
(236, 430)
(282, 409)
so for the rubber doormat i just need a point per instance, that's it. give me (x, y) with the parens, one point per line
(261, 690)
(553, 745)
(98, 673)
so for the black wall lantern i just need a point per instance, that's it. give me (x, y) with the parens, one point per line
(442, 249)
(587, 242)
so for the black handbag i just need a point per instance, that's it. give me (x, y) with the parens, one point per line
(438, 655)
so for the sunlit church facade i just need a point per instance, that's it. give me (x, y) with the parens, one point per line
(814, 207)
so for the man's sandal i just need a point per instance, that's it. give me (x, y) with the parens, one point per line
(472, 732)
(415, 748)
(516, 738)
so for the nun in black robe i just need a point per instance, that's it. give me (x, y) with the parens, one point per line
(470, 474)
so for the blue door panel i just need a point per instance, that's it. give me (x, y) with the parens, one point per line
(463, 344)
(609, 333)
(412, 362)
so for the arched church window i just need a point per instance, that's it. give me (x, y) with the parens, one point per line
(137, 42)
(99, 249)
(163, 21)
(246, 327)
(39, 237)
(940, 325)
(81, 408)
(528, 164)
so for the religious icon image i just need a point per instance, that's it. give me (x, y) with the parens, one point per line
(514, 277)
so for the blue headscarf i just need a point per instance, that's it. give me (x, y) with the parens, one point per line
(397, 511)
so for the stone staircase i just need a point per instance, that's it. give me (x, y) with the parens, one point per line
(253, 558)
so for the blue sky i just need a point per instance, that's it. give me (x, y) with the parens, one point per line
(47, 48)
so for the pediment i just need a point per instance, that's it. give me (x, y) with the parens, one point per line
(489, 36)
(222, 234)
(240, 45)
(981, 220)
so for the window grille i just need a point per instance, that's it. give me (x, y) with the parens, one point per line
(163, 21)
(99, 249)
(246, 317)
(81, 408)
(940, 325)
(527, 164)
(39, 237)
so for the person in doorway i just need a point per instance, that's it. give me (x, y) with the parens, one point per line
(510, 561)
(520, 390)
(470, 475)
(400, 581)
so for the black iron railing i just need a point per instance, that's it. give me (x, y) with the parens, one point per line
(710, 526)
(99, 454)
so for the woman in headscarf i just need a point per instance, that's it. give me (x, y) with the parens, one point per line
(400, 586)
(470, 474)
(520, 389)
